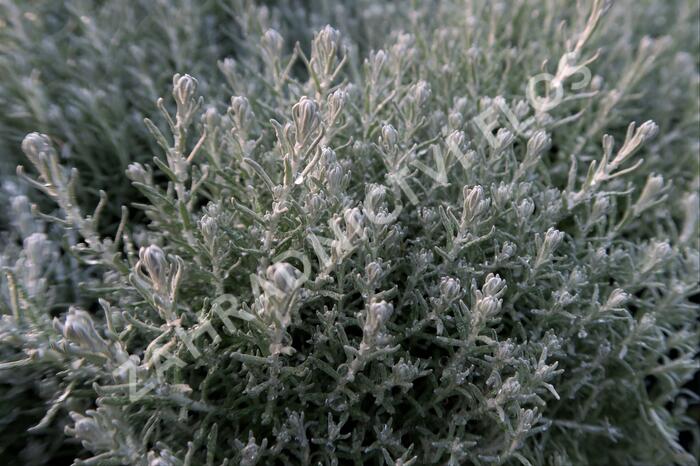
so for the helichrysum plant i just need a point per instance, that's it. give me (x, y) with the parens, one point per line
(456, 233)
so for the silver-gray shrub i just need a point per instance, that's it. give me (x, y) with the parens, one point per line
(342, 264)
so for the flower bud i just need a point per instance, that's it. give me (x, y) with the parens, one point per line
(474, 203)
(648, 130)
(152, 258)
(488, 306)
(455, 119)
(650, 193)
(37, 147)
(552, 238)
(80, 329)
(88, 431)
(420, 92)
(334, 178)
(389, 136)
(354, 222)
(377, 315)
(328, 156)
(283, 276)
(136, 172)
(455, 141)
(242, 112)
(617, 299)
(184, 88)
(209, 227)
(508, 250)
(525, 209)
(373, 271)
(325, 44)
(494, 285)
(376, 63)
(450, 288)
(336, 101)
(306, 119)
(538, 143)
(315, 203)
(501, 194)
(504, 137)
(272, 42)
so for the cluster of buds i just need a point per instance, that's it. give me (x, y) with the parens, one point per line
(487, 303)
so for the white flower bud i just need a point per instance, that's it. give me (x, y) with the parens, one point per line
(455, 119)
(617, 299)
(326, 43)
(553, 238)
(37, 147)
(152, 258)
(88, 431)
(306, 119)
(273, 42)
(208, 227)
(389, 136)
(334, 178)
(450, 288)
(378, 314)
(525, 209)
(80, 329)
(184, 88)
(494, 285)
(504, 137)
(538, 143)
(650, 194)
(315, 203)
(474, 204)
(242, 112)
(455, 141)
(508, 250)
(376, 63)
(354, 222)
(420, 92)
(509, 388)
(136, 172)
(488, 306)
(501, 194)
(336, 101)
(373, 270)
(328, 156)
(283, 276)
(656, 253)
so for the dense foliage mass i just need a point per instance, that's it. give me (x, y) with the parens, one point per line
(439, 232)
